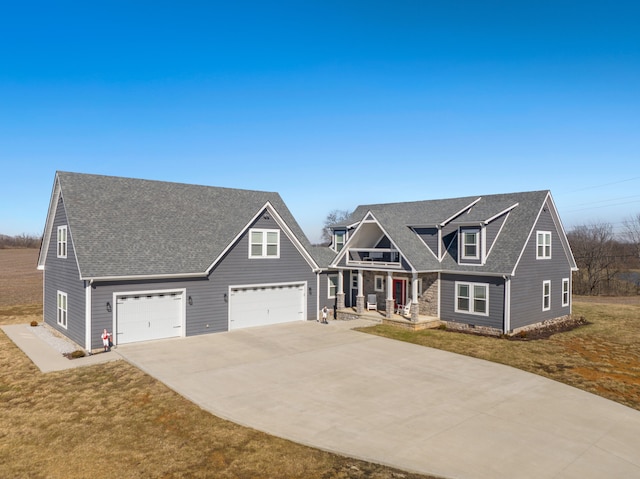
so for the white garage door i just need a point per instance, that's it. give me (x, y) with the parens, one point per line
(142, 317)
(262, 305)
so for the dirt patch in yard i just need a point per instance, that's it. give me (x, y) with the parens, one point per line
(20, 280)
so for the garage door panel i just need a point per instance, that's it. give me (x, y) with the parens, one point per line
(258, 306)
(148, 317)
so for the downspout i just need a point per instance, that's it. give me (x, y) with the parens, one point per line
(507, 304)
(87, 314)
(317, 293)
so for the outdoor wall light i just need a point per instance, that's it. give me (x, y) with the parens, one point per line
(309, 290)
(108, 307)
(225, 297)
(190, 301)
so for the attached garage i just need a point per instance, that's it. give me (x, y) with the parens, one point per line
(147, 316)
(270, 304)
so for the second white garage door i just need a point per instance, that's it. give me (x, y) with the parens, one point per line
(262, 305)
(142, 317)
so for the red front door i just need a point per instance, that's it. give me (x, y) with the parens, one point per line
(399, 291)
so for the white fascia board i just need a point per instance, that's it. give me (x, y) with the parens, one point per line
(486, 222)
(498, 235)
(375, 220)
(475, 273)
(139, 277)
(282, 225)
(524, 246)
(561, 231)
(448, 220)
(343, 251)
(46, 236)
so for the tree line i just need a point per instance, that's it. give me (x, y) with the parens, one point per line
(20, 241)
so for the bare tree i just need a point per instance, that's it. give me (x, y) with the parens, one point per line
(333, 217)
(632, 232)
(595, 251)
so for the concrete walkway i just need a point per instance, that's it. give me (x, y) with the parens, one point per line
(44, 356)
(411, 407)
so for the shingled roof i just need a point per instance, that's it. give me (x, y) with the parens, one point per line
(398, 219)
(122, 227)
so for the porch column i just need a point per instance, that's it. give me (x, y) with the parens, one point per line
(389, 302)
(340, 293)
(414, 297)
(360, 297)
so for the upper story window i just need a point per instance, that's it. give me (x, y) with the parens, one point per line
(470, 243)
(62, 241)
(339, 240)
(543, 245)
(264, 243)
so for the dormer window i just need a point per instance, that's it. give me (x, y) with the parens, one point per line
(339, 240)
(470, 243)
(264, 243)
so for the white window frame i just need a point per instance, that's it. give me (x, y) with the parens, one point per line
(463, 234)
(472, 298)
(566, 292)
(62, 309)
(546, 295)
(62, 241)
(419, 280)
(338, 245)
(378, 283)
(331, 285)
(264, 250)
(543, 241)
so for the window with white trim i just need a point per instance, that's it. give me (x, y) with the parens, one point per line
(62, 241)
(378, 283)
(332, 286)
(470, 243)
(62, 309)
(543, 245)
(472, 298)
(565, 292)
(264, 243)
(546, 295)
(339, 240)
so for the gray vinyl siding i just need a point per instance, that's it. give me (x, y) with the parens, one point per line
(495, 319)
(202, 310)
(526, 285)
(450, 241)
(61, 274)
(209, 312)
(430, 237)
(323, 291)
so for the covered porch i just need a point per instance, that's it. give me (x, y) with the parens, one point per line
(395, 319)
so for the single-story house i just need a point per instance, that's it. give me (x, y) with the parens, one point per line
(151, 259)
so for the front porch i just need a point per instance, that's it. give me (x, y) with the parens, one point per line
(398, 320)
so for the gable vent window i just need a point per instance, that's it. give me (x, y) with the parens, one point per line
(264, 243)
(62, 241)
(543, 245)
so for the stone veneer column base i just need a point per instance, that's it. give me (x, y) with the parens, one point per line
(339, 300)
(359, 304)
(389, 304)
(415, 308)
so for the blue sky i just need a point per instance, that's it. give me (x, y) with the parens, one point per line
(331, 104)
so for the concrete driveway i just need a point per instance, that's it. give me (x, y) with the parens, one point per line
(393, 403)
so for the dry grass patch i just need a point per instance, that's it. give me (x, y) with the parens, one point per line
(113, 419)
(602, 357)
(20, 281)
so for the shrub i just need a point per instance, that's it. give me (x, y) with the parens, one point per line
(34, 323)
(78, 353)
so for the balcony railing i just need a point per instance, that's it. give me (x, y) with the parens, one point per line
(374, 256)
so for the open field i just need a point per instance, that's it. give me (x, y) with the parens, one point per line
(116, 421)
